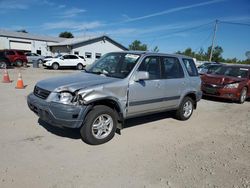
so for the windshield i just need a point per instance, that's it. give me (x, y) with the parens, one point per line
(232, 71)
(57, 56)
(212, 68)
(117, 65)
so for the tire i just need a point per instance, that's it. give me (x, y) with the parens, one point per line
(185, 110)
(3, 65)
(40, 61)
(79, 66)
(99, 125)
(243, 95)
(55, 66)
(18, 63)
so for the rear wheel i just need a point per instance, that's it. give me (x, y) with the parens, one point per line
(55, 66)
(99, 125)
(40, 61)
(186, 109)
(19, 63)
(243, 95)
(79, 66)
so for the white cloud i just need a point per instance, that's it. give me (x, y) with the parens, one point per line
(71, 25)
(13, 4)
(70, 13)
(177, 9)
(22, 5)
(61, 6)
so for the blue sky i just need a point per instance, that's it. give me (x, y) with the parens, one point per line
(170, 25)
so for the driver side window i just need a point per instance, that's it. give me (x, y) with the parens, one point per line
(152, 66)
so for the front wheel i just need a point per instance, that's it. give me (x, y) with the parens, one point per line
(99, 125)
(3, 65)
(185, 110)
(243, 95)
(55, 66)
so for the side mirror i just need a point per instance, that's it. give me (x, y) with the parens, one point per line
(61, 58)
(141, 75)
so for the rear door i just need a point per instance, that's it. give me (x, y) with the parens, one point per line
(174, 81)
(10, 55)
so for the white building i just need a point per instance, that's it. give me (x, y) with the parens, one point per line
(27, 42)
(91, 48)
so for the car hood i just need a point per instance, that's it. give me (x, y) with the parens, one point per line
(74, 82)
(220, 79)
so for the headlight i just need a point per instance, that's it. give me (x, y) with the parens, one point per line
(65, 98)
(231, 86)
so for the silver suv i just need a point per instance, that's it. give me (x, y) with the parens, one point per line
(118, 86)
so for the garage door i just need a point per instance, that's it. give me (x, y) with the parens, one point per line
(17, 45)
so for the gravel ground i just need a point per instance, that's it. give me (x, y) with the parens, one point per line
(212, 149)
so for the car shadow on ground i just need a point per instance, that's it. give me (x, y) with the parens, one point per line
(219, 100)
(142, 120)
(75, 133)
(63, 132)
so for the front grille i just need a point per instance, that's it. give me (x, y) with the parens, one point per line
(213, 86)
(41, 93)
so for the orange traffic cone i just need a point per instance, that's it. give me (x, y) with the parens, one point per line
(19, 84)
(6, 78)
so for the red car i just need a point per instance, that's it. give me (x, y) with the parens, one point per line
(15, 57)
(229, 82)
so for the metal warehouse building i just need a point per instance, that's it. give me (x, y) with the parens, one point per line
(89, 47)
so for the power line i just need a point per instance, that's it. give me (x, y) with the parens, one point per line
(234, 23)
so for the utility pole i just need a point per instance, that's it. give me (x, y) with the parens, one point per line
(212, 48)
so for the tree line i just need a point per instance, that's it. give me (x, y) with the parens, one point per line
(201, 55)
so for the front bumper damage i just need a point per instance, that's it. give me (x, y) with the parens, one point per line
(57, 114)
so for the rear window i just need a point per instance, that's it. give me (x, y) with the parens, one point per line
(190, 66)
(10, 53)
(20, 53)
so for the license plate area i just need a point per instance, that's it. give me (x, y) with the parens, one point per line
(210, 90)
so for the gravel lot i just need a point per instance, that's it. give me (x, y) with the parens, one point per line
(212, 149)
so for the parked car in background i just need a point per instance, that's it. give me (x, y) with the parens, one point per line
(4, 61)
(66, 61)
(229, 82)
(34, 57)
(116, 87)
(210, 68)
(203, 68)
(48, 58)
(16, 57)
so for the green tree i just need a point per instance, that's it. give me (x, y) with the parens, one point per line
(66, 34)
(200, 55)
(189, 52)
(217, 53)
(22, 31)
(156, 49)
(137, 45)
(248, 54)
